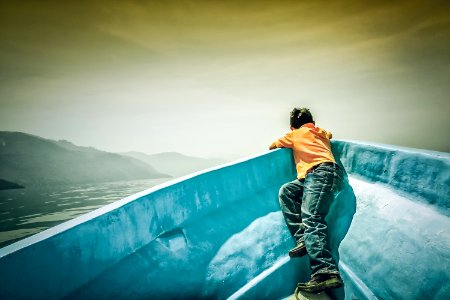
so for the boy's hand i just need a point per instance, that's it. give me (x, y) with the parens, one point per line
(273, 146)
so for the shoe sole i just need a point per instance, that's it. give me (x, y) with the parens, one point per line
(328, 284)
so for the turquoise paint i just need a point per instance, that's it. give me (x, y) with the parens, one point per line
(398, 245)
(219, 234)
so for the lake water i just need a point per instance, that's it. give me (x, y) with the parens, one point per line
(24, 212)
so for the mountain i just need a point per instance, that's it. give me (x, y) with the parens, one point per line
(28, 160)
(8, 185)
(175, 164)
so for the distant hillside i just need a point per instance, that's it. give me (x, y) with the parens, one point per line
(175, 164)
(28, 159)
(7, 185)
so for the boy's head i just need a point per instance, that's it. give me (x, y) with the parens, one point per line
(300, 116)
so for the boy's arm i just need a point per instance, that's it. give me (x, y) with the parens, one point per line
(327, 133)
(284, 142)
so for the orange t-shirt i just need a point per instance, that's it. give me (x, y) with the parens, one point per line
(311, 146)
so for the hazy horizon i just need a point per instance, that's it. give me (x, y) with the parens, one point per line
(218, 79)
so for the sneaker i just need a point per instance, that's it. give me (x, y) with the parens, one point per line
(299, 250)
(320, 282)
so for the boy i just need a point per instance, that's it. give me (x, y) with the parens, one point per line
(305, 202)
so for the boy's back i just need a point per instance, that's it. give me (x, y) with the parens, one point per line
(311, 146)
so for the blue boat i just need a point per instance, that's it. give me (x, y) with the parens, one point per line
(219, 234)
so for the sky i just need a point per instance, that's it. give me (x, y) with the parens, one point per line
(219, 78)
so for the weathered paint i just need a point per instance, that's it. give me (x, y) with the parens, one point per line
(398, 245)
(219, 234)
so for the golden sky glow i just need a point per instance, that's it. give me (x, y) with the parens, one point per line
(217, 78)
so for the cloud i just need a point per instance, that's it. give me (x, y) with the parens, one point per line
(229, 65)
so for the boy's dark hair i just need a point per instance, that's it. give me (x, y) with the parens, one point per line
(300, 116)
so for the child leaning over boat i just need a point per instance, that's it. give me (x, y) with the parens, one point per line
(305, 202)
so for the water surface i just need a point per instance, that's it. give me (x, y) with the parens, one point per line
(24, 212)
